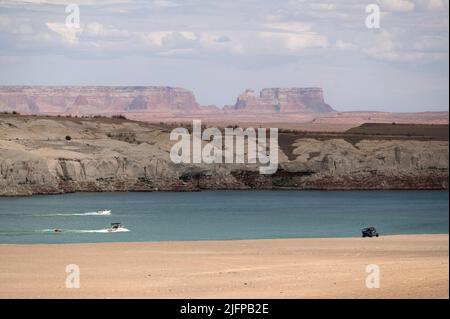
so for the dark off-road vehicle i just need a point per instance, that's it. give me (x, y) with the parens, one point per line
(369, 232)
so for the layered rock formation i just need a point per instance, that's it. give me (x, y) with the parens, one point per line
(282, 100)
(96, 99)
(152, 99)
(120, 155)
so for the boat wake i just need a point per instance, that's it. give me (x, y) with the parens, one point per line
(16, 232)
(98, 213)
(80, 231)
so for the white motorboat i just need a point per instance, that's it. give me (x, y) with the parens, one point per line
(116, 227)
(105, 212)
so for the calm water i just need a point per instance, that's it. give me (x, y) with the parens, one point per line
(220, 215)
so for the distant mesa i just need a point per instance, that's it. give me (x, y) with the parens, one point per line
(103, 99)
(282, 100)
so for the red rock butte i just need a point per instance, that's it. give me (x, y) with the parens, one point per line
(282, 100)
(293, 108)
(96, 99)
(103, 99)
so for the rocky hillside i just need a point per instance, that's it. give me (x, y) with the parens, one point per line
(47, 155)
(282, 100)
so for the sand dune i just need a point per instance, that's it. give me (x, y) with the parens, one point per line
(414, 266)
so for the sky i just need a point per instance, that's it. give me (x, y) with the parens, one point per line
(218, 49)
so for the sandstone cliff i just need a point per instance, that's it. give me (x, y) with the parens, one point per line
(121, 155)
(282, 100)
(151, 99)
(96, 99)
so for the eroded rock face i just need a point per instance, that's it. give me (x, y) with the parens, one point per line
(121, 155)
(92, 100)
(282, 100)
(371, 164)
(155, 99)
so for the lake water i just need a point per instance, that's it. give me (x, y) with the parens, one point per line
(220, 215)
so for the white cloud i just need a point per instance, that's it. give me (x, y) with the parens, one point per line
(214, 30)
(179, 40)
(291, 26)
(291, 36)
(293, 42)
(43, 36)
(5, 21)
(164, 4)
(343, 45)
(433, 4)
(63, 2)
(69, 35)
(386, 47)
(153, 38)
(397, 5)
(383, 47)
(98, 30)
(23, 29)
(431, 43)
(323, 6)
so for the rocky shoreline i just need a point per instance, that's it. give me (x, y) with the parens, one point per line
(56, 155)
(437, 182)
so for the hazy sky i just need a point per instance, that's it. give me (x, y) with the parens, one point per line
(217, 49)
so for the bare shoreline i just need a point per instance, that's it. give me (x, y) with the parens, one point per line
(214, 240)
(411, 266)
(278, 189)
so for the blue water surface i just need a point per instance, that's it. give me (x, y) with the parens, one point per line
(220, 215)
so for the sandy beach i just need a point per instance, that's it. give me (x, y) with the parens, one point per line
(411, 266)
